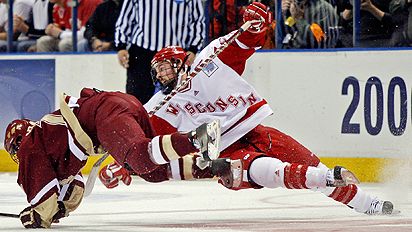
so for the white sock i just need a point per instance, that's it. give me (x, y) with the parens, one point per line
(263, 172)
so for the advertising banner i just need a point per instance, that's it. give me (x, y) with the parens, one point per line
(339, 104)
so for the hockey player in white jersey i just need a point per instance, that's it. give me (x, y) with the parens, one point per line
(268, 157)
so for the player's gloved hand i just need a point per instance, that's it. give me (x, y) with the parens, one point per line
(30, 218)
(260, 12)
(112, 173)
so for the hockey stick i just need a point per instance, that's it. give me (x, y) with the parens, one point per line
(9, 215)
(203, 64)
(93, 175)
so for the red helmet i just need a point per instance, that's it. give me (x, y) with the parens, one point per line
(170, 53)
(15, 133)
(177, 58)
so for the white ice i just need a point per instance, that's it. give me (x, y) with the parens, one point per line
(208, 206)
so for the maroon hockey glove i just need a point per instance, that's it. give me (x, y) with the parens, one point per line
(257, 11)
(112, 173)
(30, 218)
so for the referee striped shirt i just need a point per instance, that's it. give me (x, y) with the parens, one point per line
(154, 24)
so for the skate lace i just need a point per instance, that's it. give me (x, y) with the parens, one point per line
(375, 207)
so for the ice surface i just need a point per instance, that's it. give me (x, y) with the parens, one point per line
(208, 206)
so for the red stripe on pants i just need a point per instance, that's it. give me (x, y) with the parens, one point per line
(344, 194)
(295, 176)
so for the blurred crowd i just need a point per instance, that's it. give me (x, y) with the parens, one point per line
(46, 25)
(324, 23)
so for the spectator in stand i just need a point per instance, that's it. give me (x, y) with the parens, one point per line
(225, 15)
(59, 34)
(377, 22)
(344, 10)
(310, 24)
(409, 22)
(99, 34)
(3, 20)
(400, 10)
(34, 28)
(21, 11)
(146, 26)
(270, 38)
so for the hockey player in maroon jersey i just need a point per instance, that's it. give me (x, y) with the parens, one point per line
(51, 152)
(269, 157)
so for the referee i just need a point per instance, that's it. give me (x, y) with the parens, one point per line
(146, 26)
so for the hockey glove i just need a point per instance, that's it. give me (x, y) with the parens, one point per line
(112, 173)
(30, 218)
(260, 12)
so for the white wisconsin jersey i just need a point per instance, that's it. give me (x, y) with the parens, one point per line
(217, 92)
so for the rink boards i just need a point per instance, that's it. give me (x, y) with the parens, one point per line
(349, 107)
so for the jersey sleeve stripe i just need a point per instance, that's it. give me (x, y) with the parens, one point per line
(44, 190)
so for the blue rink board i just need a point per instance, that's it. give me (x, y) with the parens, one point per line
(27, 90)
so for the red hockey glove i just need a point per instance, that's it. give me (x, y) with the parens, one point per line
(112, 173)
(257, 11)
(30, 218)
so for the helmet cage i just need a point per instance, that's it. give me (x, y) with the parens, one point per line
(169, 85)
(177, 57)
(14, 147)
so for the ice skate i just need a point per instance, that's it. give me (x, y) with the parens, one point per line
(340, 177)
(379, 207)
(207, 139)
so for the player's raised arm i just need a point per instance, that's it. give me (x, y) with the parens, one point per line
(236, 54)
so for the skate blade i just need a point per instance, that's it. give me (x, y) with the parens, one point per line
(349, 178)
(213, 132)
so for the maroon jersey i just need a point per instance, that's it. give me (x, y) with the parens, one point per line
(119, 123)
(46, 161)
(53, 155)
(57, 148)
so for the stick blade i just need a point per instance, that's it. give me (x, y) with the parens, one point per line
(91, 180)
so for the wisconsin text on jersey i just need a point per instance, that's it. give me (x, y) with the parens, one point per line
(220, 104)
